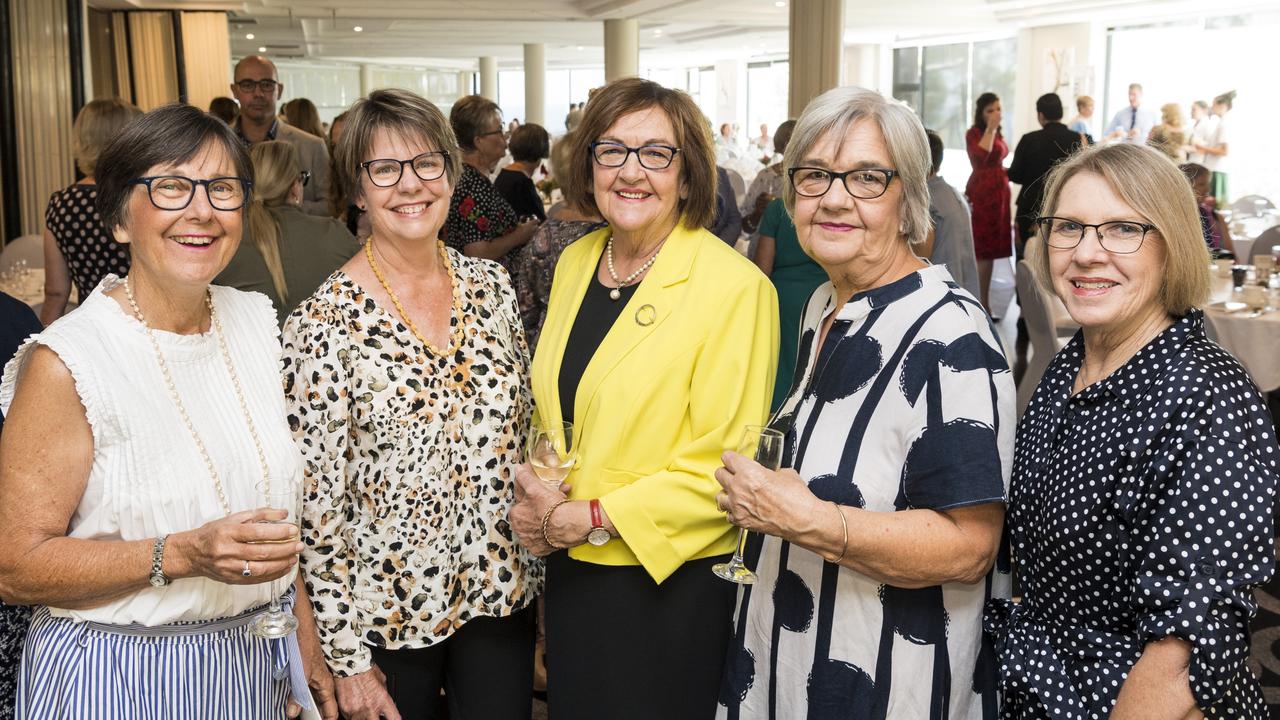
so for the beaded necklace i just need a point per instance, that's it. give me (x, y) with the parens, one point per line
(455, 337)
(177, 399)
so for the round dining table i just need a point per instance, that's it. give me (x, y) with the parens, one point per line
(1252, 336)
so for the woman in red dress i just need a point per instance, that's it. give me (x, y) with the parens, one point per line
(988, 190)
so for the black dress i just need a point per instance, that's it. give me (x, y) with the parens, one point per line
(89, 248)
(519, 190)
(1140, 507)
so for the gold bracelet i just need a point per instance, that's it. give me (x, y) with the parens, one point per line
(844, 524)
(547, 519)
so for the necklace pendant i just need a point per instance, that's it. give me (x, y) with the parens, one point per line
(614, 294)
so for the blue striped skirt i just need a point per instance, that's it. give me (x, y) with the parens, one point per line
(214, 670)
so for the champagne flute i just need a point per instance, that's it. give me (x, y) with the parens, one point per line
(279, 493)
(764, 445)
(552, 452)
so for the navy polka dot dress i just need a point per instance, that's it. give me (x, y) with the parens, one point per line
(89, 249)
(1140, 507)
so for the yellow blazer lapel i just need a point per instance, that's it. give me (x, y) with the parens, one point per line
(565, 300)
(644, 313)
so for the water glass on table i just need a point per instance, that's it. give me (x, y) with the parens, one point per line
(552, 452)
(279, 493)
(764, 445)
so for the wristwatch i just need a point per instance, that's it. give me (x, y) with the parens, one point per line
(598, 535)
(158, 580)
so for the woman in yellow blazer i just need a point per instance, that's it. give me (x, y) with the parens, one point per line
(660, 346)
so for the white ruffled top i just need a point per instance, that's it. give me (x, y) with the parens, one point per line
(148, 477)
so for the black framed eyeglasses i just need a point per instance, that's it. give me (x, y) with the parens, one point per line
(386, 172)
(304, 177)
(175, 192)
(1120, 237)
(652, 157)
(499, 131)
(266, 87)
(862, 183)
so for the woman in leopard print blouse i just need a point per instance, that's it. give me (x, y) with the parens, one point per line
(407, 377)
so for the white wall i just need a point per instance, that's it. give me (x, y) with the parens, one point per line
(1067, 59)
(869, 65)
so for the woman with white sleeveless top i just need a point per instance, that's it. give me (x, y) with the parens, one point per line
(137, 431)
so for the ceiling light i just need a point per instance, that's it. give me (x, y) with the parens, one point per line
(657, 31)
(780, 3)
(262, 49)
(357, 29)
(248, 36)
(579, 48)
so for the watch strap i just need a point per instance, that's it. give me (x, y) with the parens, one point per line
(597, 517)
(157, 561)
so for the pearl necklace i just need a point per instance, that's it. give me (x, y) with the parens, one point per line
(182, 410)
(616, 293)
(455, 337)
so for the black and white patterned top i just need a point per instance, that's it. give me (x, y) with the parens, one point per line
(909, 405)
(409, 460)
(477, 211)
(1140, 507)
(88, 247)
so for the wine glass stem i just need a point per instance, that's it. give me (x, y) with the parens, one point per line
(274, 607)
(740, 547)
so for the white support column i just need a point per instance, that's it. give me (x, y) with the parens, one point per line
(535, 83)
(464, 82)
(489, 78)
(366, 80)
(621, 48)
(816, 33)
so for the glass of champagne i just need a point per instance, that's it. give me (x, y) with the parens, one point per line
(280, 493)
(551, 452)
(764, 445)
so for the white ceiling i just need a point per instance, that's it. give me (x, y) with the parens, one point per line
(673, 33)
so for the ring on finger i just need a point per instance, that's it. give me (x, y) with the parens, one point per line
(246, 572)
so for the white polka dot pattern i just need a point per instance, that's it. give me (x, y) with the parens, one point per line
(90, 250)
(1140, 508)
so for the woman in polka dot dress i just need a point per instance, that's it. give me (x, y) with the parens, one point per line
(1140, 511)
(77, 248)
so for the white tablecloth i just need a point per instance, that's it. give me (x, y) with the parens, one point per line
(1254, 341)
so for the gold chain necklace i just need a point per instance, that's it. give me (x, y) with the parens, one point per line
(182, 410)
(455, 335)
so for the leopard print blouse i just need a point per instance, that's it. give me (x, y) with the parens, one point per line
(409, 462)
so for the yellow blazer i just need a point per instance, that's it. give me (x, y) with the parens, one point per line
(689, 363)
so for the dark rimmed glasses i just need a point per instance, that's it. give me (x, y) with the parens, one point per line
(1120, 237)
(266, 87)
(863, 183)
(386, 172)
(614, 155)
(175, 192)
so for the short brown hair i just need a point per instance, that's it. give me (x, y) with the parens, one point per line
(530, 143)
(98, 123)
(469, 118)
(402, 112)
(1158, 191)
(697, 157)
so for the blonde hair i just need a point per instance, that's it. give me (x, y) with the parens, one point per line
(1171, 114)
(275, 170)
(1154, 187)
(837, 111)
(97, 125)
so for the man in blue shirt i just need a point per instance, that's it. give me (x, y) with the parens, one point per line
(1132, 124)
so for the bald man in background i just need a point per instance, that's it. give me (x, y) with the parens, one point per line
(256, 86)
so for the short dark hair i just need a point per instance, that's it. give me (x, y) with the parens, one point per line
(936, 150)
(1050, 106)
(224, 108)
(782, 135)
(169, 135)
(530, 143)
(469, 117)
(696, 160)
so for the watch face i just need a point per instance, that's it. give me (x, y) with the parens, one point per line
(598, 536)
(158, 581)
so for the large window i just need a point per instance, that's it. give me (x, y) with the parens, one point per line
(563, 86)
(767, 84)
(1196, 60)
(941, 83)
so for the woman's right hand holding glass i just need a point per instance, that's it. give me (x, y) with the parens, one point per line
(220, 549)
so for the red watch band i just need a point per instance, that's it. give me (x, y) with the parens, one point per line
(597, 518)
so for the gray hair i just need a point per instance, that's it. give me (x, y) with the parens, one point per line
(838, 110)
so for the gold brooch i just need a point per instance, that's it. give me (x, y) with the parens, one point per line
(646, 315)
